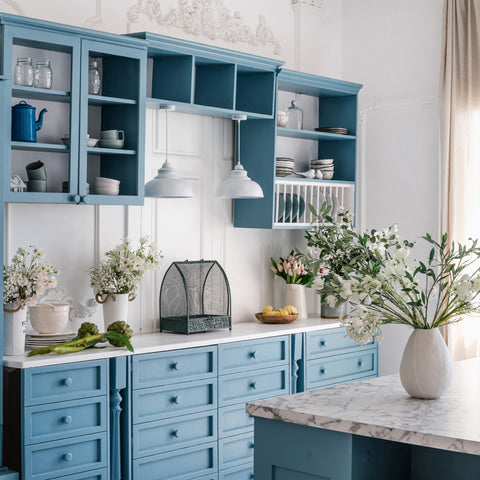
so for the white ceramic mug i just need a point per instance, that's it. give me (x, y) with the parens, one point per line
(112, 134)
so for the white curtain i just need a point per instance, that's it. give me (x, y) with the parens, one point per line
(460, 145)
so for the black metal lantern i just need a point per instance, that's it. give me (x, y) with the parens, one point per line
(195, 297)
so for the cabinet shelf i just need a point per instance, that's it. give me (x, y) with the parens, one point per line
(40, 147)
(206, 110)
(102, 100)
(109, 151)
(311, 134)
(314, 181)
(44, 94)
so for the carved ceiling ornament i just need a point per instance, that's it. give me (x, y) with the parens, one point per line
(210, 18)
(311, 3)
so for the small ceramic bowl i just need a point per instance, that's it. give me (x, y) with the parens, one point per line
(49, 317)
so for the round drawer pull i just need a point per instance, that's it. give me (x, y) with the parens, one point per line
(360, 362)
(175, 365)
(67, 381)
(251, 445)
(323, 342)
(252, 354)
(175, 399)
(253, 385)
(251, 476)
(67, 419)
(68, 457)
(75, 198)
(175, 433)
(323, 371)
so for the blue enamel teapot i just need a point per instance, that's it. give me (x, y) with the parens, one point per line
(24, 126)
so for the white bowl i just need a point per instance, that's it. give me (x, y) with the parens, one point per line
(49, 317)
(111, 143)
(327, 175)
(107, 181)
(92, 142)
(106, 190)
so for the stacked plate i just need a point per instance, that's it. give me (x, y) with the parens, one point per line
(284, 166)
(35, 340)
(107, 186)
(323, 165)
(337, 130)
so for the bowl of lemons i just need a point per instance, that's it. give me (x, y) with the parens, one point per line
(287, 314)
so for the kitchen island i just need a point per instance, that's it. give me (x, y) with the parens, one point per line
(371, 430)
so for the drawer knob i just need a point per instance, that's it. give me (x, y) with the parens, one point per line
(251, 445)
(67, 419)
(175, 399)
(67, 381)
(253, 385)
(323, 370)
(252, 354)
(251, 477)
(323, 342)
(360, 362)
(68, 457)
(174, 433)
(175, 366)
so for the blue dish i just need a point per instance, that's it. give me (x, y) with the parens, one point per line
(281, 208)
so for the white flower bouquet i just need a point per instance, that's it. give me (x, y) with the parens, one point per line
(124, 267)
(382, 287)
(26, 278)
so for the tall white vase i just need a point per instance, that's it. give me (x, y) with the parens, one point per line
(426, 368)
(115, 307)
(14, 331)
(295, 295)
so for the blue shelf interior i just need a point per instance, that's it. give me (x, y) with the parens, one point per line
(177, 85)
(214, 84)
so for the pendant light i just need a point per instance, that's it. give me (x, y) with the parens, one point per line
(167, 184)
(238, 184)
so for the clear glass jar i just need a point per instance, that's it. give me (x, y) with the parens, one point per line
(94, 80)
(295, 116)
(43, 74)
(23, 73)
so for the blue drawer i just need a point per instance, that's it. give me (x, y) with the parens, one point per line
(233, 420)
(243, 387)
(59, 383)
(45, 423)
(252, 354)
(234, 451)
(243, 472)
(342, 368)
(184, 464)
(151, 404)
(329, 342)
(64, 457)
(172, 434)
(95, 475)
(155, 369)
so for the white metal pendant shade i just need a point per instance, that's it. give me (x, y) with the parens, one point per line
(167, 184)
(239, 184)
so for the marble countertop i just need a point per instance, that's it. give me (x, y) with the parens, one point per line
(161, 342)
(381, 408)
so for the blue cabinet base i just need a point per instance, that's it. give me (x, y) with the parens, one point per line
(285, 451)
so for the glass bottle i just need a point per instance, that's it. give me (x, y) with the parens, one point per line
(43, 74)
(295, 116)
(94, 81)
(23, 73)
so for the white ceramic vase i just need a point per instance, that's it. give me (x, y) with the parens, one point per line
(426, 368)
(14, 330)
(115, 307)
(295, 295)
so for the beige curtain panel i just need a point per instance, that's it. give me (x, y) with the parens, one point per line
(460, 144)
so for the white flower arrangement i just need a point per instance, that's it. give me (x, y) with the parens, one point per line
(26, 278)
(381, 287)
(124, 267)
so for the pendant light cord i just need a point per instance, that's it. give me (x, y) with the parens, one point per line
(166, 136)
(238, 143)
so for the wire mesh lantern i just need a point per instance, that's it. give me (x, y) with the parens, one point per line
(195, 297)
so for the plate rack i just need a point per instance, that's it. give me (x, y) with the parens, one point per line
(292, 197)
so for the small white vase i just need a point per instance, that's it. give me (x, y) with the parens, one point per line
(115, 307)
(295, 295)
(426, 368)
(14, 330)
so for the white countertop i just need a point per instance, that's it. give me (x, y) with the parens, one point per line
(381, 408)
(160, 342)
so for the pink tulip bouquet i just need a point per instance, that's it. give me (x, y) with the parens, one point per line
(293, 270)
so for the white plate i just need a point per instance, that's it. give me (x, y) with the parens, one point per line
(33, 334)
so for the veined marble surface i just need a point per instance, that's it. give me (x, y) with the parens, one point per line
(381, 408)
(161, 342)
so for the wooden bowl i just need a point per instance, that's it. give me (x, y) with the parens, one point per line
(276, 318)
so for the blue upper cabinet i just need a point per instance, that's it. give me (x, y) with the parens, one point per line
(71, 164)
(207, 80)
(327, 104)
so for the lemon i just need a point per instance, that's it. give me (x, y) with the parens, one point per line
(267, 310)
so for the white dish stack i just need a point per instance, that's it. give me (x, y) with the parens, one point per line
(107, 186)
(323, 168)
(284, 166)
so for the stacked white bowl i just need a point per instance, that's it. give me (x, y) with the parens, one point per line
(325, 166)
(107, 186)
(284, 166)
